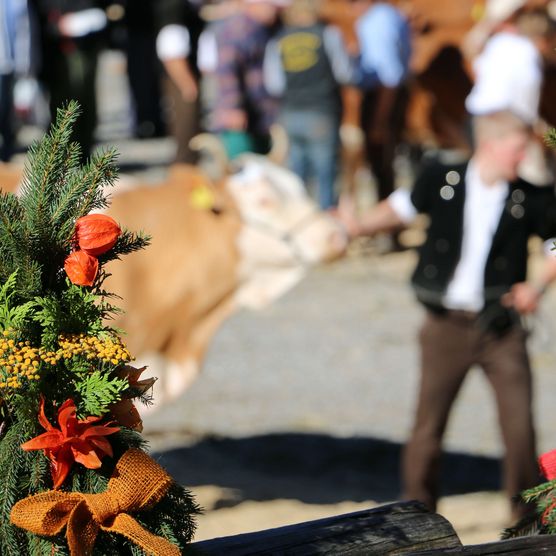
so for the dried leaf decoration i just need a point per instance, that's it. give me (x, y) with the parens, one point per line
(81, 268)
(96, 233)
(76, 440)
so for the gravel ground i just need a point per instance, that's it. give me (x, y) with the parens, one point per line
(338, 355)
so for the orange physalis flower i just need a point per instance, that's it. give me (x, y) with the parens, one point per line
(75, 441)
(547, 463)
(81, 268)
(96, 233)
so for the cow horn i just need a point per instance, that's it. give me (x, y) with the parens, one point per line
(214, 146)
(280, 144)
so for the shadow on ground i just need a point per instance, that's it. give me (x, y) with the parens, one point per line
(314, 469)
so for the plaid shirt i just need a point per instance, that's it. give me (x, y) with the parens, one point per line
(241, 44)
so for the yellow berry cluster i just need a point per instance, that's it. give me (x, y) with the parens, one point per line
(108, 350)
(19, 360)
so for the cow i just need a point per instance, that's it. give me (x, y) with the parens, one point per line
(10, 176)
(250, 244)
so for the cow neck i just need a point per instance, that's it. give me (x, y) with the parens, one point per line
(288, 236)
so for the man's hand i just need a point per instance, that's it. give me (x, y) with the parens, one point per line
(523, 297)
(347, 216)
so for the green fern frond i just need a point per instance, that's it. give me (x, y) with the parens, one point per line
(98, 391)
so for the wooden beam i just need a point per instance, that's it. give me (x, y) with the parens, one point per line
(391, 529)
(528, 546)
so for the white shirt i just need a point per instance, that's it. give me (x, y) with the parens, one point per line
(481, 214)
(173, 41)
(508, 76)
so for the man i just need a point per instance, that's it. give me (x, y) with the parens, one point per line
(471, 280)
(305, 66)
(384, 40)
(180, 27)
(17, 54)
(243, 110)
(508, 74)
(72, 36)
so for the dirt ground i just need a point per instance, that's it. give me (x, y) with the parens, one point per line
(302, 409)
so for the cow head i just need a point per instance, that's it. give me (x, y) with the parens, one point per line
(276, 210)
(282, 230)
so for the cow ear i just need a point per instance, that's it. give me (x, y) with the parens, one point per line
(202, 192)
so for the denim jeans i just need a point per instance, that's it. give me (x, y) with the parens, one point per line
(314, 149)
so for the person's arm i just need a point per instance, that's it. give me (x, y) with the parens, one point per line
(393, 213)
(524, 297)
(173, 47)
(336, 50)
(273, 70)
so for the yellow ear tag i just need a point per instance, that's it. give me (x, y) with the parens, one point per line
(478, 11)
(202, 198)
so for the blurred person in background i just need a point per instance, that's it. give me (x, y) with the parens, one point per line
(510, 42)
(72, 37)
(305, 64)
(243, 109)
(17, 59)
(384, 37)
(143, 67)
(177, 41)
(471, 279)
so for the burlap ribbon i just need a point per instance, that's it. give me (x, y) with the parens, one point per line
(137, 483)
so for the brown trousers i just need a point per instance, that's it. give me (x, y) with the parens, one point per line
(184, 122)
(450, 344)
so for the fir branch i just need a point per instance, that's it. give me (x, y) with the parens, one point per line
(47, 169)
(538, 492)
(127, 243)
(11, 463)
(527, 526)
(13, 243)
(83, 192)
(40, 546)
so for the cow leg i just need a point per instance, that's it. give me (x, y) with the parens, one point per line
(186, 350)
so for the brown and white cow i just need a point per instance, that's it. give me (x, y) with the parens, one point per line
(10, 176)
(258, 240)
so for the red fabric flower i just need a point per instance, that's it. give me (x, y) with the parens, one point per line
(96, 233)
(81, 268)
(75, 441)
(547, 463)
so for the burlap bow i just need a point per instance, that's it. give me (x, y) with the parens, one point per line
(137, 483)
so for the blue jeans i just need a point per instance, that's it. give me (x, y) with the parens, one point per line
(314, 149)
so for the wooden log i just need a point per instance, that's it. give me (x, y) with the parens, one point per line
(528, 546)
(399, 528)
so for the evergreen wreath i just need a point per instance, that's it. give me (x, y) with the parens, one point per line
(67, 419)
(541, 518)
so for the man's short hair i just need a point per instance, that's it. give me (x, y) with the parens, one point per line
(495, 125)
